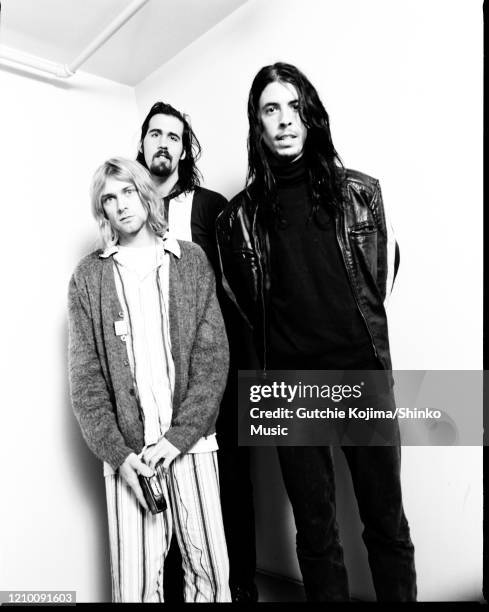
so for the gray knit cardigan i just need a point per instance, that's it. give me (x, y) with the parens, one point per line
(101, 384)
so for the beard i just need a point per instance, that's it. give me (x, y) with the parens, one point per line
(161, 166)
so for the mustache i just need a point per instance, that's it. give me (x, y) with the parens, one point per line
(162, 153)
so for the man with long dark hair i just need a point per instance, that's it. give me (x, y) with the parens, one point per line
(309, 259)
(169, 149)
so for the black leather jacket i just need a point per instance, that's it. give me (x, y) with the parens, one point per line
(369, 251)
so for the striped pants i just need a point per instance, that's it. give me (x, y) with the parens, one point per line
(139, 540)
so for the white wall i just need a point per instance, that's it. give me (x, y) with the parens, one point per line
(52, 516)
(402, 83)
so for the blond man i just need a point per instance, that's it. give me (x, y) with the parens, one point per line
(148, 365)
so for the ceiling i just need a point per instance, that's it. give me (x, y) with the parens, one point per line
(59, 30)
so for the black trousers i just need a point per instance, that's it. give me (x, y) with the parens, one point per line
(375, 470)
(238, 514)
(234, 463)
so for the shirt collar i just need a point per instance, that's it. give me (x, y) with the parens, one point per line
(169, 243)
(110, 250)
(175, 192)
(178, 196)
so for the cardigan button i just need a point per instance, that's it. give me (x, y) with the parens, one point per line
(131, 391)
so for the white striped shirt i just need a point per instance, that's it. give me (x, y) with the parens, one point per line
(142, 277)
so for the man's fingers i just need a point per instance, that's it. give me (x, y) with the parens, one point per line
(140, 467)
(162, 450)
(145, 470)
(151, 457)
(129, 470)
(149, 462)
(166, 463)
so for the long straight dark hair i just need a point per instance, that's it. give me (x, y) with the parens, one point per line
(323, 163)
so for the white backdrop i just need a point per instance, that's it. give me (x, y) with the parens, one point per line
(402, 84)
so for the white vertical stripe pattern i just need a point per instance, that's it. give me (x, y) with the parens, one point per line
(138, 274)
(139, 540)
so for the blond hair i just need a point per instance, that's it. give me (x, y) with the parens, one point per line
(132, 172)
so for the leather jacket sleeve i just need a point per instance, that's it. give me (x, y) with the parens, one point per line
(238, 258)
(387, 249)
(369, 235)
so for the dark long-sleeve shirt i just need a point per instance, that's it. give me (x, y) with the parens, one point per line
(314, 320)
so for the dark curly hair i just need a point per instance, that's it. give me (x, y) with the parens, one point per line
(323, 163)
(188, 174)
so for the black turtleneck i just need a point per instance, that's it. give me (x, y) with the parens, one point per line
(314, 320)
